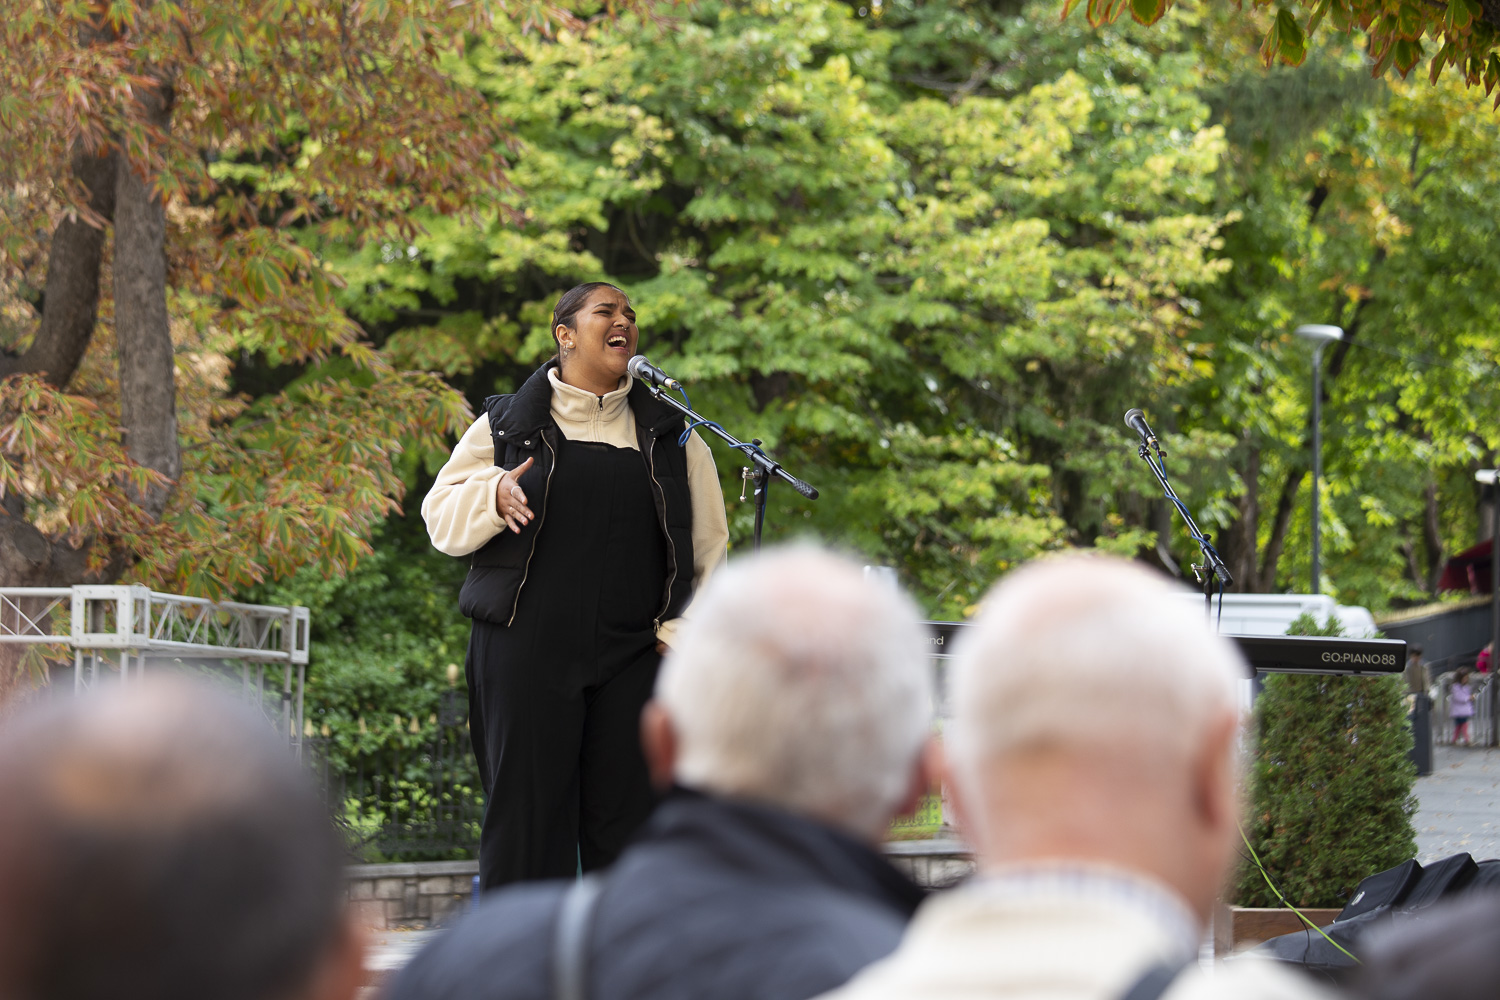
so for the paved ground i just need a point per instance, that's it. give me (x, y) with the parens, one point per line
(389, 951)
(1459, 805)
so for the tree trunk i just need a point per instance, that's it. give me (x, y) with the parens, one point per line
(1240, 541)
(1160, 517)
(143, 336)
(1409, 552)
(148, 404)
(29, 559)
(70, 299)
(70, 308)
(1279, 525)
(1432, 534)
(769, 388)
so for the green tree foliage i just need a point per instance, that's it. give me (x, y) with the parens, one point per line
(1331, 784)
(931, 306)
(930, 252)
(183, 401)
(1465, 33)
(387, 646)
(1368, 206)
(383, 637)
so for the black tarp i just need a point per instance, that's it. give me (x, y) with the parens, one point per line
(1393, 898)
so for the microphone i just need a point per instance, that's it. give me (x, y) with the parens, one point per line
(1136, 421)
(641, 368)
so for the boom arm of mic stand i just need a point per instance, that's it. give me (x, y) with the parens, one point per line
(766, 464)
(1211, 560)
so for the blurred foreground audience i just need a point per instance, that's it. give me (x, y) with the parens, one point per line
(792, 718)
(1452, 953)
(1093, 766)
(158, 842)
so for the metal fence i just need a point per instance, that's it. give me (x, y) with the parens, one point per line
(1481, 726)
(407, 803)
(84, 636)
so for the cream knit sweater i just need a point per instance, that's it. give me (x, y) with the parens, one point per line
(1057, 941)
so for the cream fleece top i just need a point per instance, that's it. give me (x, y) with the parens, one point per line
(1064, 932)
(460, 510)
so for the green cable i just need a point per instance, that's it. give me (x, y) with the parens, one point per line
(1300, 915)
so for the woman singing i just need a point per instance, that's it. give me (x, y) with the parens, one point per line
(590, 528)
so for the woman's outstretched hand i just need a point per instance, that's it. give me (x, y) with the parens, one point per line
(510, 499)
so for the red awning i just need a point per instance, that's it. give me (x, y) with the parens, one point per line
(1468, 571)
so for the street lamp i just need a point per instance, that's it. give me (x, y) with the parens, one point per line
(1321, 336)
(1488, 477)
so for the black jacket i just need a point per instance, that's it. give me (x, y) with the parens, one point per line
(522, 427)
(716, 900)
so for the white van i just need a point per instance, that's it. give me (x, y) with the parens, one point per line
(1270, 614)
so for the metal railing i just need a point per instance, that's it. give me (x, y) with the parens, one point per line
(1481, 725)
(406, 800)
(111, 632)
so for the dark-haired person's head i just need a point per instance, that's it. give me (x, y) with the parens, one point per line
(594, 327)
(158, 841)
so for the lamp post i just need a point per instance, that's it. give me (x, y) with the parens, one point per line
(1488, 477)
(1321, 336)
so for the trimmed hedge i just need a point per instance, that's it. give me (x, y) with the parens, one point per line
(1331, 784)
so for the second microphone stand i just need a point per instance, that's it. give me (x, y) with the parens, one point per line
(1213, 566)
(764, 465)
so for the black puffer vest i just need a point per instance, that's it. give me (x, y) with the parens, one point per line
(522, 427)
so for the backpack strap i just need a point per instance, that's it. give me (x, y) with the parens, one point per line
(1154, 981)
(570, 939)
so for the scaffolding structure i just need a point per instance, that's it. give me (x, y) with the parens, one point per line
(112, 632)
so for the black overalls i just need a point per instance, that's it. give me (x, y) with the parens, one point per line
(555, 698)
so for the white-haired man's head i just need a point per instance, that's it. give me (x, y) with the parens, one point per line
(799, 683)
(1095, 721)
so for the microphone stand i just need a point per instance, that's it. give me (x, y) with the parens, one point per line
(1213, 566)
(764, 465)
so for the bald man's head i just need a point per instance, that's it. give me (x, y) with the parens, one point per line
(1095, 721)
(1091, 652)
(800, 683)
(159, 842)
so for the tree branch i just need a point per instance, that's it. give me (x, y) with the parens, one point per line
(70, 299)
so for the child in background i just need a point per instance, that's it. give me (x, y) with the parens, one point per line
(1461, 706)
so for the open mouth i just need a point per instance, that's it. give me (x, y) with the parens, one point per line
(619, 341)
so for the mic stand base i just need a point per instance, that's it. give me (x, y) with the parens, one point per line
(1207, 579)
(762, 488)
